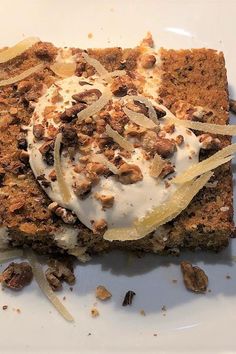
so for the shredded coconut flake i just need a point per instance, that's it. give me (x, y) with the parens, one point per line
(21, 76)
(17, 49)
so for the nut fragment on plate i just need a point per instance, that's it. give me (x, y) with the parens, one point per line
(195, 279)
(128, 299)
(102, 293)
(17, 275)
(59, 271)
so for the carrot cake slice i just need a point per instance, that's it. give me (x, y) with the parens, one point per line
(114, 148)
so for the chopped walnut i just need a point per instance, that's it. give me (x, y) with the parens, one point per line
(83, 139)
(96, 167)
(53, 176)
(147, 61)
(138, 107)
(78, 168)
(167, 169)
(107, 201)
(70, 113)
(38, 131)
(69, 135)
(102, 293)
(129, 173)
(135, 130)
(209, 143)
(194, 277)
(154, 144)
(47, 150)
(179, 140)
(88, 97)
(82, 188)
(66, 215)
(169, 128)
(17, 275)
(59, 271)
(120, 85)
(99, 226)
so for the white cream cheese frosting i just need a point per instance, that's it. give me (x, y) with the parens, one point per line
(131, 201)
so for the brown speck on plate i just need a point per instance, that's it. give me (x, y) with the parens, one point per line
(90, 35)
(128, 299)
(5, 307)
(142, 312)
(94, 312)
(228, 276)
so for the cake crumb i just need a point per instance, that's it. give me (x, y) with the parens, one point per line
(102, 293)
(5, 307)
(64, 298)
(164, 308)
(174, 281)
(94, 312)
(18, 310)
(90, 35)
(228, 276)
(154, 334)
(142, 312)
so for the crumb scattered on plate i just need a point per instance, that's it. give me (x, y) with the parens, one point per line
(102, 293)
(94, 312)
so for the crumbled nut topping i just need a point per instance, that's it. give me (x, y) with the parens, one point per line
(59, 271)
(107, 201)
(88, 97)
(209, 143)
(38, 131)
(99, 226)
(17, 275)
(82, 188)
(102, 293)
(129, 174)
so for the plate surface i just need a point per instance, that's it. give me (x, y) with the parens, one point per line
(191, 323)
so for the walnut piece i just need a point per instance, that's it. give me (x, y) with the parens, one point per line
(102, 293)
(147, 61)
(156, 145)
(107, 201)
(195, 279)
(82, 187)
(88, 97)
(128, 299)
(209, 143)
(129, 173)
(70, 113)
(17, 275)
(99, 226)
(38, 131)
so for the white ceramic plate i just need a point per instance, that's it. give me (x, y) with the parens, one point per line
(192, 323)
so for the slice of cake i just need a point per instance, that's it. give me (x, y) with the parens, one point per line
(100, 149)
